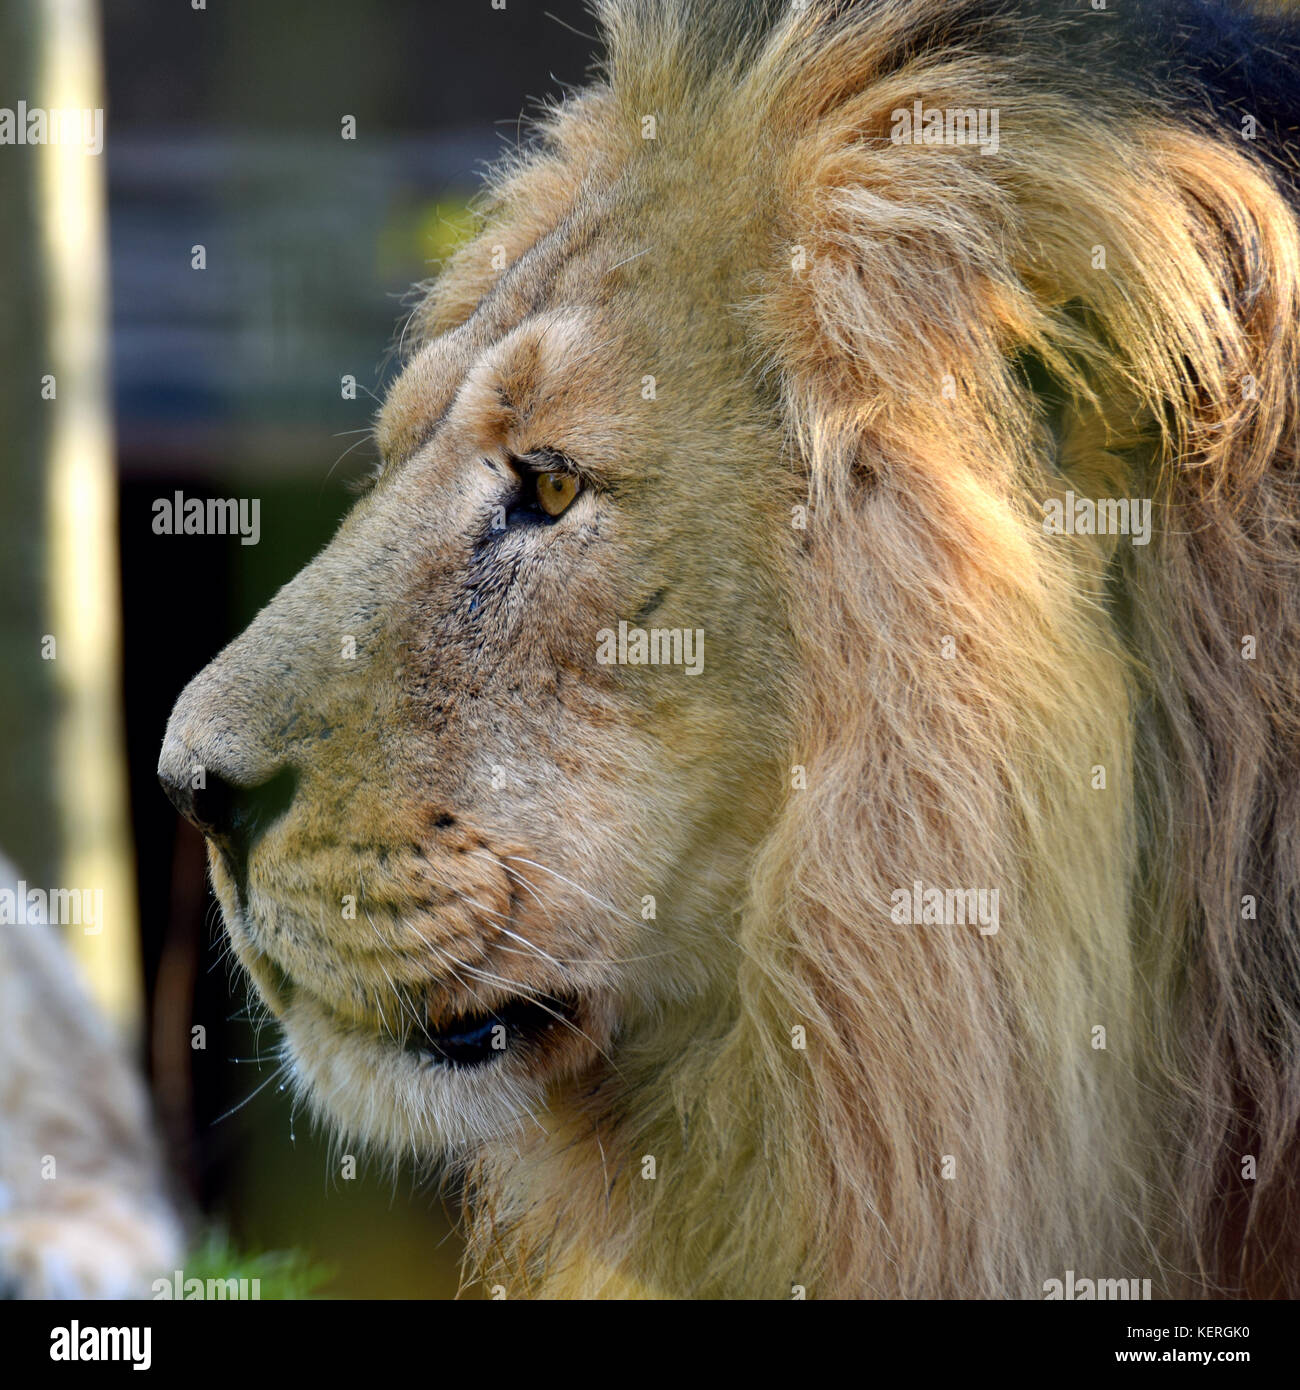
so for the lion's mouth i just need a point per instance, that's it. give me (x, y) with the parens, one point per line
(475, 1039)
(524, 1024)
(521, 1025)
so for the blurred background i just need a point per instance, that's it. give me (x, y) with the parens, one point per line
(223, 129)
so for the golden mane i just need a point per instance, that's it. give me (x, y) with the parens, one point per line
(1108, 733)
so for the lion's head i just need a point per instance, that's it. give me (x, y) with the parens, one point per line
(436, 803)
(570, 810)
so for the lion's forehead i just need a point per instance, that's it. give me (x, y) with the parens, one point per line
(636, 283)
(564, 379)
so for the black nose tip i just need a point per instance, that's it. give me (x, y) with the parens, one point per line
(231, 815)
(186, 800)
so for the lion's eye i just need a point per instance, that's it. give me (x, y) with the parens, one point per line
(555, 491)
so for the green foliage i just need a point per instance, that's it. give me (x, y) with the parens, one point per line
(284, 1274)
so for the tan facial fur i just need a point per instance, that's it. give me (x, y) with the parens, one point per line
(495, 802)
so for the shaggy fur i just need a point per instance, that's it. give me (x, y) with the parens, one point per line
(920, 344)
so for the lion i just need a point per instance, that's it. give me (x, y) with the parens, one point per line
(85, 1206)
(936, 934)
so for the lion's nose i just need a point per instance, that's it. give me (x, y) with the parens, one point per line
(218, 768)
(182, 795)
(231, 816)
(222, 809)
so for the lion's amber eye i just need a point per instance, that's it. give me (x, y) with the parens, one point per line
(555, 491)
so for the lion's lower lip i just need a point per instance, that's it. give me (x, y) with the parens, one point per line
(476, 1039)
(472, 1039)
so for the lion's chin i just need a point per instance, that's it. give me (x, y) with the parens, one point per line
(405, 1099)
(449, 1084)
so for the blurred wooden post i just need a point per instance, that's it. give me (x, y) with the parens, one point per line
(29, 832)
(81, 516)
